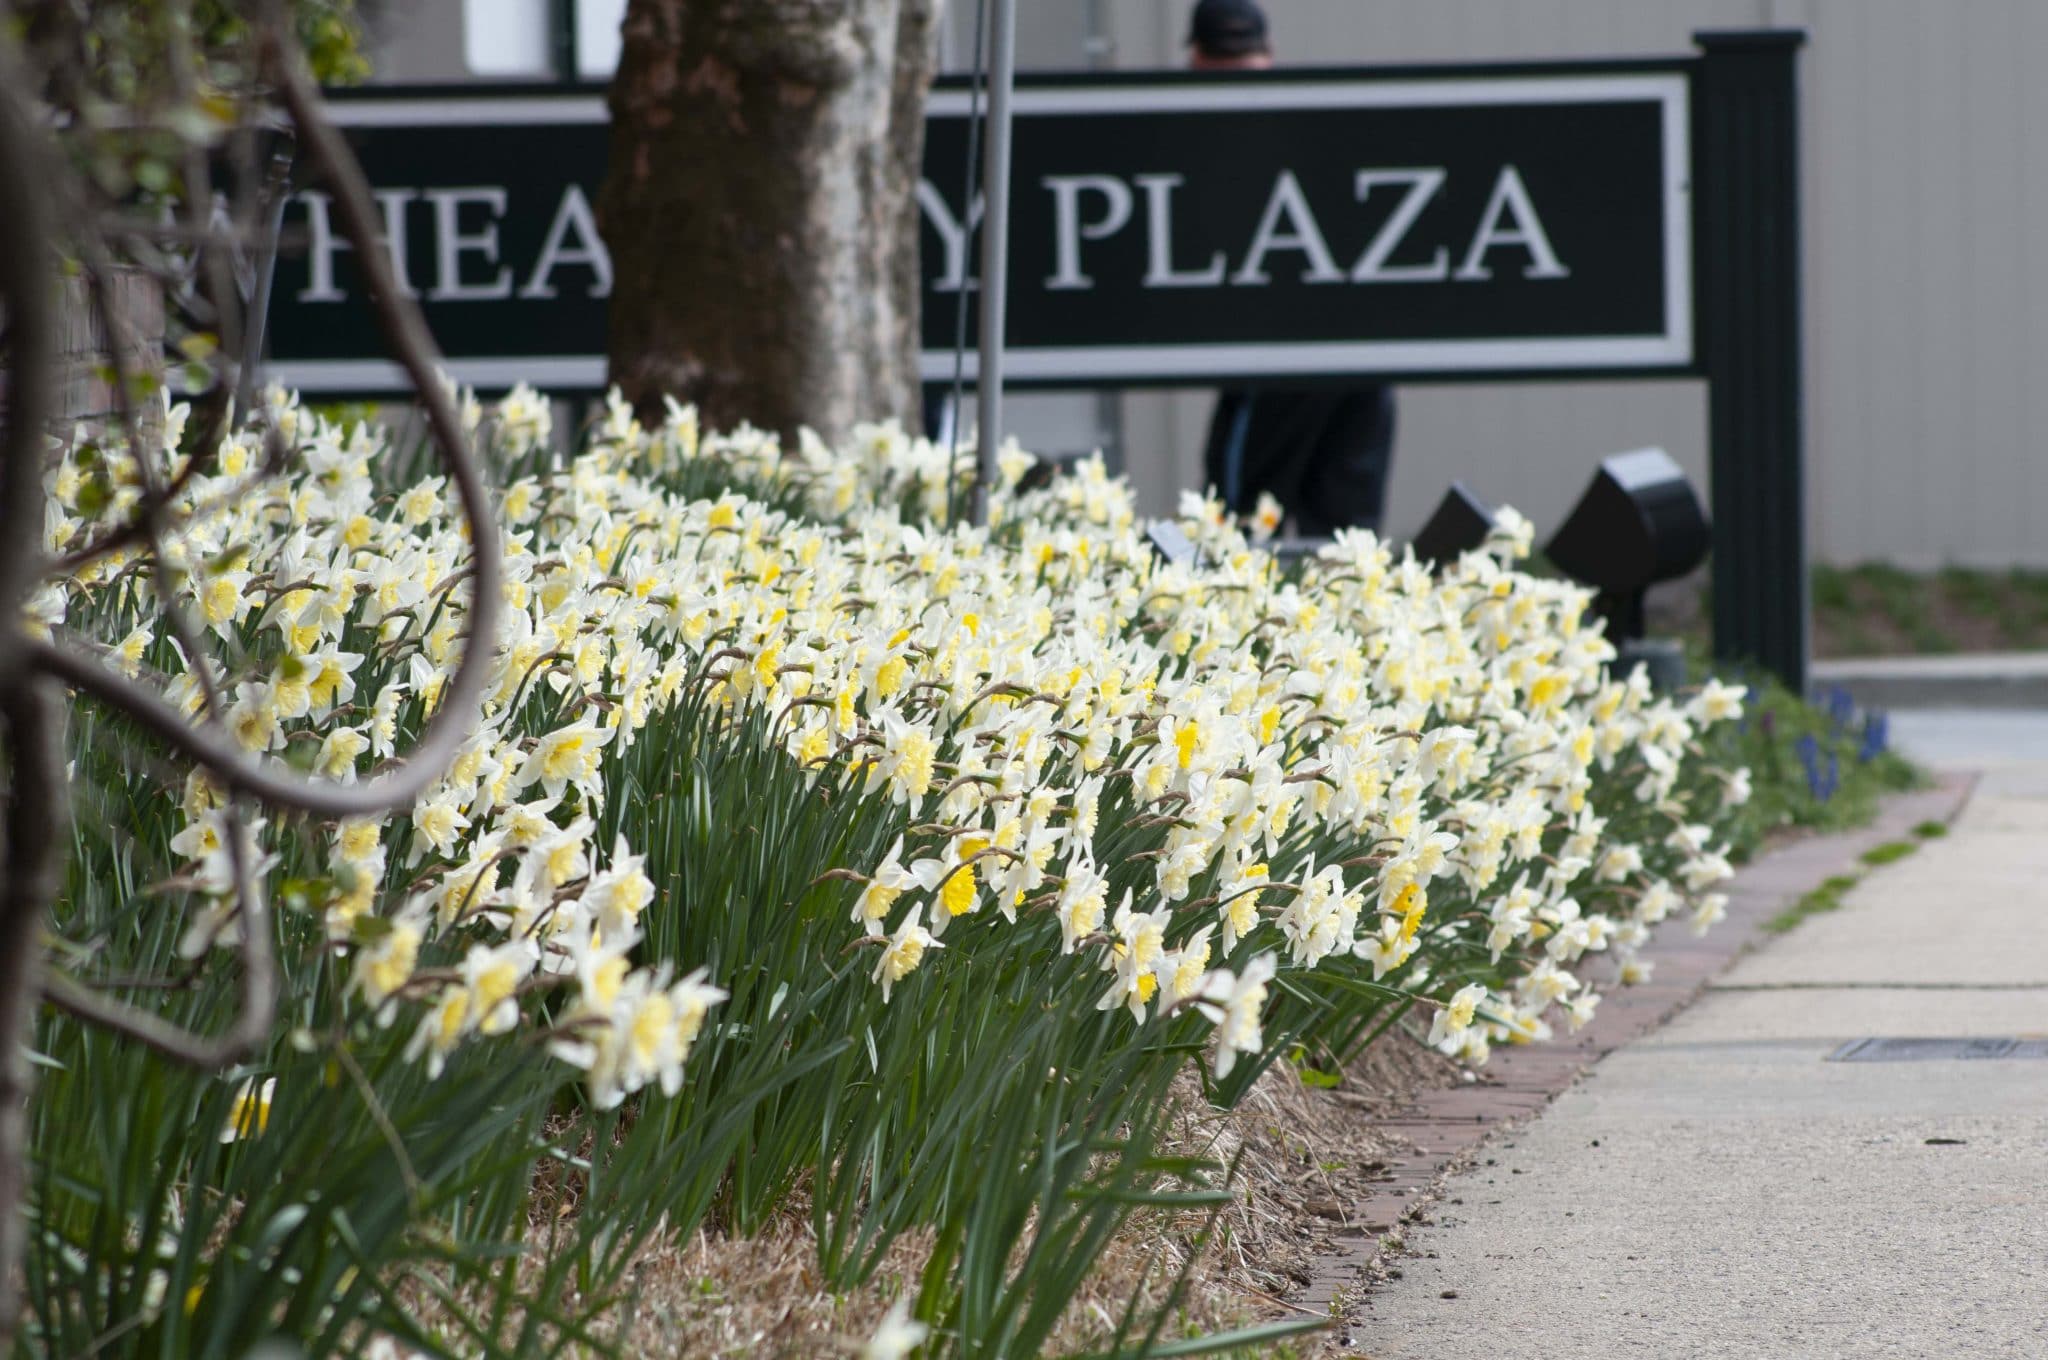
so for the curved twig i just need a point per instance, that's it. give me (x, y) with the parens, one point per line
(408, 338)
(253, 1017)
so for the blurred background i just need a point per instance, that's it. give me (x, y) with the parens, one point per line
(1925, 289)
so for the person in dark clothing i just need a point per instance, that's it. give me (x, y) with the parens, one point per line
(1323, 453)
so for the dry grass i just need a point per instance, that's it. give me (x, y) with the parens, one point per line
(1304, 1156)
(1310, 1158)
(759, 1296)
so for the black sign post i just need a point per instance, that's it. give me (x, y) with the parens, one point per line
(1746, 154)
(1430, 224)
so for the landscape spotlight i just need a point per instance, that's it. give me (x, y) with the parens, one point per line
(1460, 523)
(1172, 544)
(1639, 523)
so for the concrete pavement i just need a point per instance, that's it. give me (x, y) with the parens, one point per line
(1962, 680)
(1719, 1189)
(1982, 739)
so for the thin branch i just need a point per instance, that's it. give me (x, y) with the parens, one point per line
(212, 264)
(254, 945)
(35, 837)
(255, 1014)
(408, 338)
(121, 343)
(36, 807)
(213, 277)
(34, 717)
(135, 530)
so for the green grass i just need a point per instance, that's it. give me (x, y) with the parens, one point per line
(1876, 608)
(1825, 898)
(1828, 896)
(1785, 795)
(1767, 741)
(1976, 592)
(1831, 590)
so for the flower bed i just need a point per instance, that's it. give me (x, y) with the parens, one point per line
(805, 853)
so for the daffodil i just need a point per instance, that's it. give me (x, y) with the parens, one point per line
(567, 756)
(1234, 1003)
(903, 949)
(249, 1111)
(1032, 701)
(1447, 1028)
(617, 896)
(896, 1336)
(1136, 953)
(889, 881)
(386, 963)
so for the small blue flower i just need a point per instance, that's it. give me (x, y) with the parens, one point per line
(1841, 708)
(1808, 747)
(1877, 737)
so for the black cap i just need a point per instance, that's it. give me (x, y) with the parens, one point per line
(1227, 28)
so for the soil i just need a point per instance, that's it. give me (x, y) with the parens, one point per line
(1311, 1156)
(1306, 1157)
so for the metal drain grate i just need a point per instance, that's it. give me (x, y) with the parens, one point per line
(1937, 1050)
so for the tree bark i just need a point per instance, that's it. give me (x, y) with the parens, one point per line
(760, 208)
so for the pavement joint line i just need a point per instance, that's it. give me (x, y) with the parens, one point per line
(1877, 986)
(1821, 1043)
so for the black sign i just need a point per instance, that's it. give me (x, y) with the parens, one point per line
(486, 205)
(1343, 224)
(1172, 229)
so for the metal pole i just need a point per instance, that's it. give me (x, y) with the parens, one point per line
(995, 250)
(953, 422)
(276, 191)
(1099, 47)
(562, 39)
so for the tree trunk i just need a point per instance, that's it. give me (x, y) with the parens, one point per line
(760, 207)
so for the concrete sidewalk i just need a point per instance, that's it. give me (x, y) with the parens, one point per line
(1961, 680)
(1719, 1189)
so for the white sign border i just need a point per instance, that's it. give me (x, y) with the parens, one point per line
(1670, 90)
(1090, 363)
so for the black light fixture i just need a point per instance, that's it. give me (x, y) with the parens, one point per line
(1459, 524)
(1639, 523)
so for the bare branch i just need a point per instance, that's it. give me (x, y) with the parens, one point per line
(34, 719)
(135, 530)
(35, 839)
(29, 702)
(257, 951)
(407, 335)
(121, 343)
(25, 279)
(212, 263)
